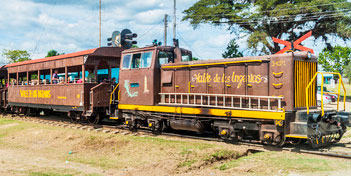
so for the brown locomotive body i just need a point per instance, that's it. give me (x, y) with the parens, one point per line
(257, 98)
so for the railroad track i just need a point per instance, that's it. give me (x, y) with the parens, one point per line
(109, 128)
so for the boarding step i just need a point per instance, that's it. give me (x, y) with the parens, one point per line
(88, 113)
(299, 136)
(114, 118)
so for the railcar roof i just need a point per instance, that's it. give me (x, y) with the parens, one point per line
(103, 51)
(75, 54)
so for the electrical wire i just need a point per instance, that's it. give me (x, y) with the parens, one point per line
(186, 43)
(150, 29)
(34, 51)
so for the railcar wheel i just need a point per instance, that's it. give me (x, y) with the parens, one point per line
(95, 119)
(75, 117)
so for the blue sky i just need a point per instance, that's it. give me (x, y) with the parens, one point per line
(71, 25)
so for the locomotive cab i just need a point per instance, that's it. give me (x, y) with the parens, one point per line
(140, 72)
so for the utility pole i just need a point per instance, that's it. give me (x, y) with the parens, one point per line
(174, 19)
(99, 23)
(165, 25)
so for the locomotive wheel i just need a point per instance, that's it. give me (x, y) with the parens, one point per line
(157, 128)
(132, 125)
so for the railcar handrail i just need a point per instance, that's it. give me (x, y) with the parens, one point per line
(322, 105)
(222, 101)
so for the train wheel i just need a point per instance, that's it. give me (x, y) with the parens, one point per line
(156, 127)
(95, 119)
(132, 125)
(75, 117)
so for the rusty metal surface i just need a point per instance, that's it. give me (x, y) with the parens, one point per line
(100, 96)
(68, 95)
(271, 75)
(137, 84)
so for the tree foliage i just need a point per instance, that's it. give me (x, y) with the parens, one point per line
(335, 59)
(16, 55)
(347, 72)
(232, 50)
(53, 53)
(195, 58)
(261, 19)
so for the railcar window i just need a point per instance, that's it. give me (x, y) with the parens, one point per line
(126, 61)
(165, 57)
(136, 61)
(146, 59)
(185, 57)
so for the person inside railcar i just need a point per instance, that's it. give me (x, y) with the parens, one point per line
(113, 81)
(55, 77)
(91, 75)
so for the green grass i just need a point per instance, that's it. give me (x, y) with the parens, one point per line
(347, 87)
(6, 121)
(11, 129)
(285, 162)
(172, 143)
(221, 155)
(187, 163)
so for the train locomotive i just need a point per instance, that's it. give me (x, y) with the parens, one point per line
(268, 99)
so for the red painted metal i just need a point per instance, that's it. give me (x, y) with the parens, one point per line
(295, 43)
(80, 53)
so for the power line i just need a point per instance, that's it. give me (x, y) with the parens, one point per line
(186, 43)
(150, 29)
(44, 30)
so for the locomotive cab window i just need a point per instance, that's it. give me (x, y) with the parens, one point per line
(146, 59)
(186, 57)
(136, 61)
(165, 57)
(126, 61)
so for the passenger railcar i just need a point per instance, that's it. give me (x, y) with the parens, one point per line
(77, 88)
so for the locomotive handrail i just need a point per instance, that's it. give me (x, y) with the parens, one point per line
(113, 93)
(322, 105)
(211, 64)
(201, 97)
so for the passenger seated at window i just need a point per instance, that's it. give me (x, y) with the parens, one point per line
(61, 80)
(91, 76)
(55, 77)
(113, 80)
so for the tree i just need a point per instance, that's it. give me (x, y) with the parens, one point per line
(16, 55)
(53, 53)
(195, 58)
(261, 19)
(335, 59)
(232, 50)
(347, 72)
